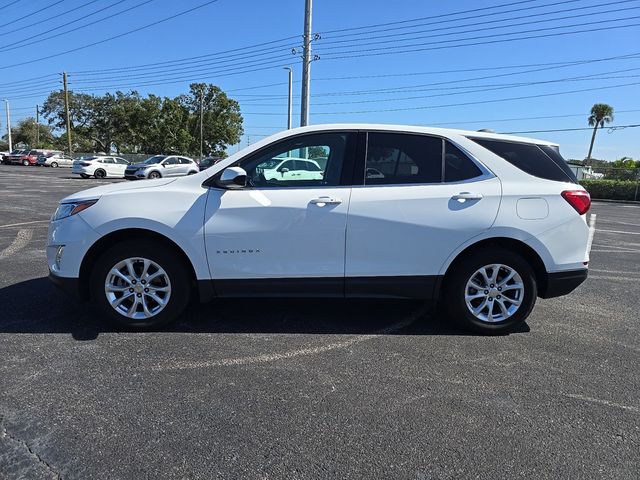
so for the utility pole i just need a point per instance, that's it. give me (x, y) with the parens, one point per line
(66, 108)
(306, 65)
(290, 104)
(37, 125)
(6, 106)
(201, 120)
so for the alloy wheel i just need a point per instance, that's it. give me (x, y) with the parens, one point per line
(494, 293)
(137, 288)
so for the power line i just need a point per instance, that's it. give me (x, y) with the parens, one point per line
(9, 4)
(479, 102)
(32, 13)
(21, 28)
(186, 59)
(460, 32)
(350, 29)
(15, 45)
(610, 128)
(385, 51)
(120, 35)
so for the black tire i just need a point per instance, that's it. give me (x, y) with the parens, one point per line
(170, 262)
(25, 163)
(154, 175)
(54, 164)
(99, 173)
(84, 175)
(462, 271)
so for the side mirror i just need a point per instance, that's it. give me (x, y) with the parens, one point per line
(233, 178)
(283, 170)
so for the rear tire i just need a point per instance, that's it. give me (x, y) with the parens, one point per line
(505, 295)
(114, 296)
(54, 165)
(25, 163)
(99, 173)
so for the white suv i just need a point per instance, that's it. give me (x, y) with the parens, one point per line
(483, 222)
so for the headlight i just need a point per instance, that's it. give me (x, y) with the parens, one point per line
(65, 210)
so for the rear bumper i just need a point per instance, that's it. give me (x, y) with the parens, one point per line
(562, 283)
(70, 286)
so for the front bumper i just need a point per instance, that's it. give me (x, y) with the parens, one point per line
(562, 283)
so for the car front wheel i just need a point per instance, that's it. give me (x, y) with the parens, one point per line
(491, 291)
(25, 163)
(140, 285)
(154, 175)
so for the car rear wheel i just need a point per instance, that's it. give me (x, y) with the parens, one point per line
(25, 163)
(155, 175)
(491, 291)
(99, 173)
(54, 164)
(140, 285)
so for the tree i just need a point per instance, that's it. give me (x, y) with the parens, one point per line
(26, 133)
(222, 120)
(601, 113)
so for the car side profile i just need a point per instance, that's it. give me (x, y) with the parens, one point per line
(55, 160)
(160, 166)
(100, 166)
(482, 223)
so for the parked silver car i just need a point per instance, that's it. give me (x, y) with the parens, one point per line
(160, 166)
(55, 160)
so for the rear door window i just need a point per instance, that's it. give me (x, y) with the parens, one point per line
(400, 158)
(457, 166)
(529, 158)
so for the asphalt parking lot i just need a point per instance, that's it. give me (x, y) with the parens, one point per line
(308, 389)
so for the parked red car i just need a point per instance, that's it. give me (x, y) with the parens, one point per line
(24, 157)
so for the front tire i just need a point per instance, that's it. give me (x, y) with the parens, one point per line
(140, 285)
(490, 291)
(54, 164)
(154, 175)
(25, 163)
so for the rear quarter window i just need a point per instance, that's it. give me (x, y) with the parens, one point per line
(531, 158)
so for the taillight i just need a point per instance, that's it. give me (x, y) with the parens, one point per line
(578, 199)
(84, 164)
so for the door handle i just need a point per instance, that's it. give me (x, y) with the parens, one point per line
(464, 196)
(322, 201)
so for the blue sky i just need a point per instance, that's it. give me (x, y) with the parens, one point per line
(436, 81)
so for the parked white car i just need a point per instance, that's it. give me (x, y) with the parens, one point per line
(100, 166)
(484, 223)
(293, 168)
(160, 166)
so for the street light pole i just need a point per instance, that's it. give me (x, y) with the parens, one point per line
(6, 106)
(290, 104)
(201, 121)
(37, 125)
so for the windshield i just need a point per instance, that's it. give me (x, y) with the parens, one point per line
(156, 159)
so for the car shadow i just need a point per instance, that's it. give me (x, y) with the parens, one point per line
(37, 307)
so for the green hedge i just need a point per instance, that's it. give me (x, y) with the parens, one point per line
(612, 189)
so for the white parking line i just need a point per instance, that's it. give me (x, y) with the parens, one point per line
(266, 358)
(603, 402)
(24, 223)
(618, 231)
(22, 239)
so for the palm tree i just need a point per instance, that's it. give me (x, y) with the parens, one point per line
(601, 113)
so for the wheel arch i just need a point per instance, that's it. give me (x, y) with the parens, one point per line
(204, 288)
(512, 244)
